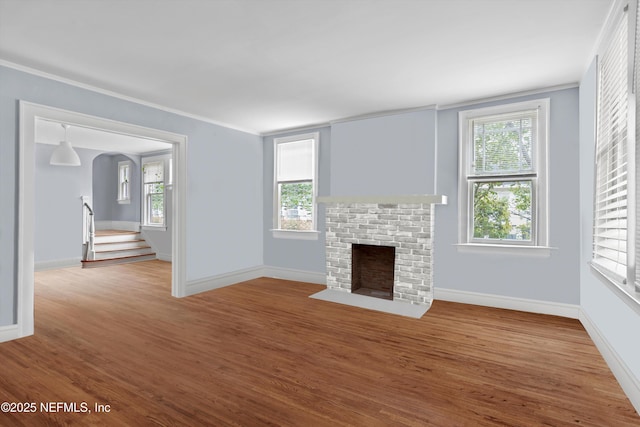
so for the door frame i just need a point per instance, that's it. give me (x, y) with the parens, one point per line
(29, 112)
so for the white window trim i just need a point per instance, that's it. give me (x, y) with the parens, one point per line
(540, 197)
(124, 200)
(166, 158)
(296, 234)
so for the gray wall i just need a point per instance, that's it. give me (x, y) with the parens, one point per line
(398, 154)
(306, 255)
(616, 321)
(553, 279)
(388, 155)
(58, 216)
(224, 195)
(105, 189)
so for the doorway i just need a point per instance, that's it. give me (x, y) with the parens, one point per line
(29, 113)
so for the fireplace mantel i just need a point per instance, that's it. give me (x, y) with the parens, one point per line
(436, 199)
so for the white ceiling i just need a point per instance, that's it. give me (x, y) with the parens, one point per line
(50, 132)
(266, 65)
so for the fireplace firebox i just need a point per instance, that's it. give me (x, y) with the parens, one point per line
(372, 269)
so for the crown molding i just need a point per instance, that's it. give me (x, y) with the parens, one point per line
(121, 96)
(507, 96)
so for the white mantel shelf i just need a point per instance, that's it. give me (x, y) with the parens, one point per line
(436, 199)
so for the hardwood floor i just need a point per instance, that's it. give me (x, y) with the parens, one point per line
(263, 353)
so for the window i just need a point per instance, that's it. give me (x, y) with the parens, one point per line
(614, 169)
(503, 185)
(124, 177)
(153, 191)
(295, 184)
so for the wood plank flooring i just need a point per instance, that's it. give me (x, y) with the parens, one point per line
(263, 353)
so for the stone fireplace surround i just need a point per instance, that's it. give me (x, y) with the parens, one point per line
(403, 222)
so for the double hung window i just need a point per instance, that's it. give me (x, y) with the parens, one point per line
(295, 182)
(124, 182)
(154, 187)
(503, 193)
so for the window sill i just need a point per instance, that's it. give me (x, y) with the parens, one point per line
(153, 228)
(626, 292)
(295, 234)
(515, 250)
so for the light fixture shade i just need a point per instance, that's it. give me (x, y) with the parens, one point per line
(64, 155)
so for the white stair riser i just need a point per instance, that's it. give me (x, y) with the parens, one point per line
(120, 246)
(117, 238)
(123, 253)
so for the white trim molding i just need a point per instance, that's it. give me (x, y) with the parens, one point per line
(28, 112)
(627, 380)
(59, 263)
(222, 280)
(163, 256)
(57, 78)
(437, 199)
(9, 333)
(295, 275)
(238, 276)
(295, 234)
(511, 303)
(505, 250)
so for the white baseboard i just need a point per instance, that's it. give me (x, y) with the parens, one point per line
(9, 333)
(498, 301)
(163, 257)
(215, 282)
(118, 225)
(629, 383)
(222, 280)
(56, 264)
(295, 275)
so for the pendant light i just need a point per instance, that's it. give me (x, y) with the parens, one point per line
(64, 155)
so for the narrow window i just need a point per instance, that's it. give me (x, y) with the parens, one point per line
(295, 182)
(124, 178)
(153, 191)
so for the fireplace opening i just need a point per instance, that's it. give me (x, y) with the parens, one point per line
(372, 270)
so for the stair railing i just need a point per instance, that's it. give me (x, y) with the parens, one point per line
(90, 251)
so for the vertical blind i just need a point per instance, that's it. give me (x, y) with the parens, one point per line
(610, 222)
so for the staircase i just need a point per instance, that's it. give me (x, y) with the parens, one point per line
(118, 247)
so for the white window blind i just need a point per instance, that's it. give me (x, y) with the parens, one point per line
(610, 222)
(504, 145)
(153, 172)
(295, 161)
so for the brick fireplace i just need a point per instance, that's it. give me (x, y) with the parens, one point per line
(403, 223)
